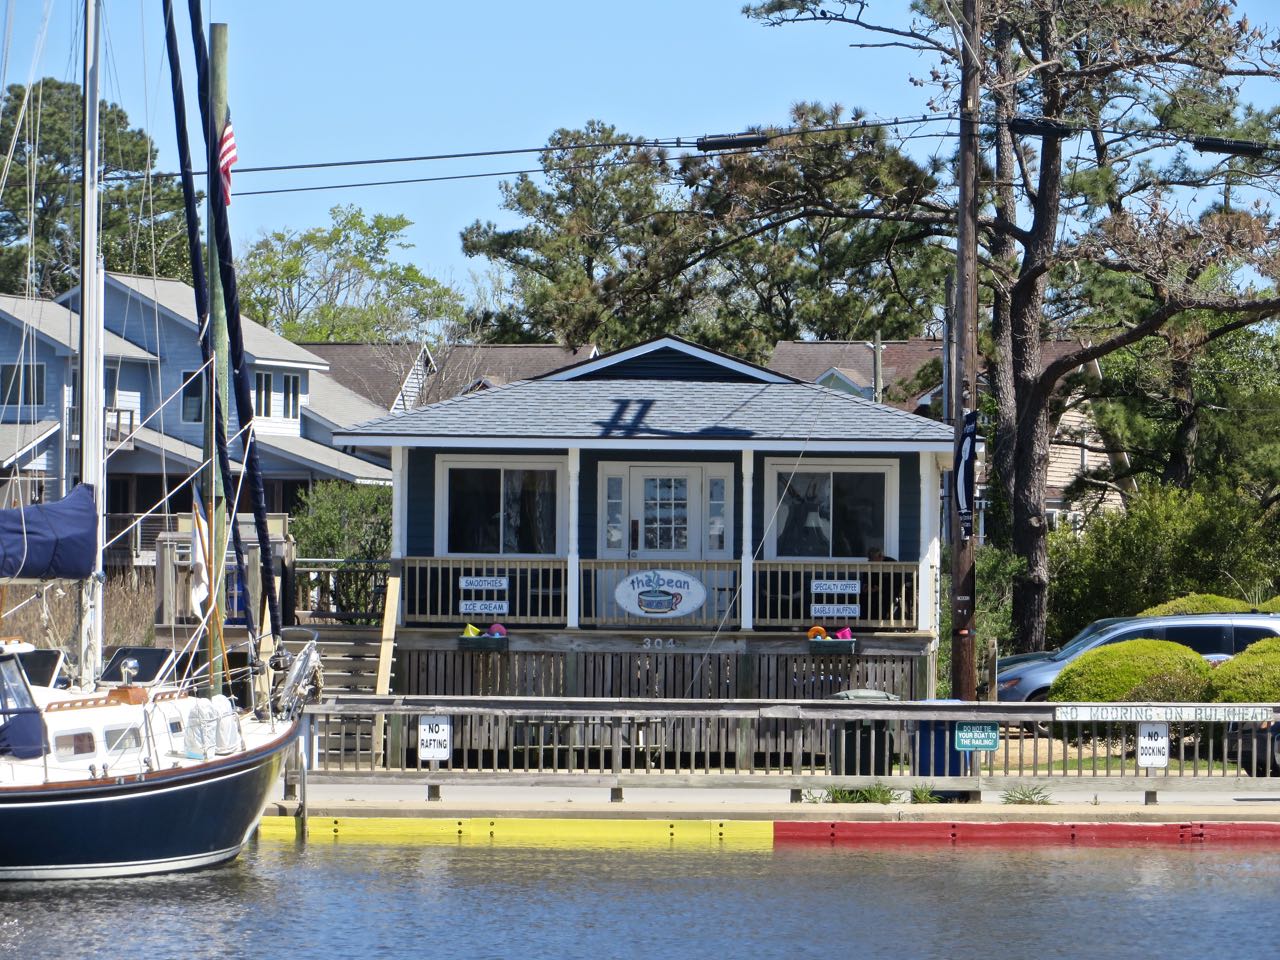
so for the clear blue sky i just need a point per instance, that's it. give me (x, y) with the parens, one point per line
(329, 80)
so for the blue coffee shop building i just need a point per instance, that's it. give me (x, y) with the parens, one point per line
(666, 496)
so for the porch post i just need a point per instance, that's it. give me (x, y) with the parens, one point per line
(572, 587)
(929, 526)
(748, 593)
(399, 500)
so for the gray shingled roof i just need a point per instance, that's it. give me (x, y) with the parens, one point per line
(376, 371)
(460, 365)
(63, 326)
(178, 298)
(333, 402)
(17, 438)
(318, 458)
(657, 409)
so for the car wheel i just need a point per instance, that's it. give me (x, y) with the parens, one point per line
(1041, 728)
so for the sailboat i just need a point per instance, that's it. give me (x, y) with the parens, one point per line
(131, 771)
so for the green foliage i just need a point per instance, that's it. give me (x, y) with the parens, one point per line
(1196, 603)
(340, 283)
(1167, 543)
(1178, 686)
(1249, 677)
(142, 223)
(876, 793)
(923, 793)
(1034, 795)
(350, 522)
(1108, 673)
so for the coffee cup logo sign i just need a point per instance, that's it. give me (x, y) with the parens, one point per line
(660, 593)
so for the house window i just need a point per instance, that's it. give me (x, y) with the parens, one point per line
(834, 510)
(614, 514)
(262, 395)
(717, 514)
(292, 395)
(22, 383)
(192, 396)
(501, 510)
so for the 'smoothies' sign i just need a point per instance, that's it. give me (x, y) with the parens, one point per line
(660, 593)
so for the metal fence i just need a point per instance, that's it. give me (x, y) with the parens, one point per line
(801, 745)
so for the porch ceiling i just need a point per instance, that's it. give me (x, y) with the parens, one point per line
(654, 412)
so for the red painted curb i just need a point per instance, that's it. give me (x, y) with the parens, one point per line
(863, 833)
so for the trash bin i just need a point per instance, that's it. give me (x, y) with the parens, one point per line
(867, 745)
(935, 748)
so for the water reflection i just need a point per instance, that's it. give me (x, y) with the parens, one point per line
(351, 901)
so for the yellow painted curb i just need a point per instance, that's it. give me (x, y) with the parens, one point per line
(529, 831)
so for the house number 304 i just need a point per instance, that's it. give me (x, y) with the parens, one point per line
(658, 643)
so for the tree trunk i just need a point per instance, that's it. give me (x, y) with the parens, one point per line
(1181, 468)
(1030, 543)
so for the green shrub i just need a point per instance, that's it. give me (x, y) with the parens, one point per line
(1265, 645)
(876, 793)
(1108, 673)
(1181, 686)
(1270, 606)
(1251, 677)
(1036, 795)
(1197, 603)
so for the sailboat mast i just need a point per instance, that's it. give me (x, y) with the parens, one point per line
(92, 458)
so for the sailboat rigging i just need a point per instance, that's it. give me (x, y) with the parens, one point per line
(132, 772)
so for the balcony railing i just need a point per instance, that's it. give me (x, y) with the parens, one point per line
(786, 595)
(118, 423)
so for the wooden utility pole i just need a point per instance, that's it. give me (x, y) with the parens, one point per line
(964, 676)
(218, 379)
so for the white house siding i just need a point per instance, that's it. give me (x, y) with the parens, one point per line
(1068, 456)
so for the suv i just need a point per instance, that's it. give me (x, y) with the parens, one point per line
(1215, 636)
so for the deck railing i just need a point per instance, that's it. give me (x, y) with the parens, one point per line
(600, 607)
(800, 745)
(786, 594)
(861, 594)
(455, 590)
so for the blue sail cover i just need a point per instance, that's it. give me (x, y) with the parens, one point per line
(51, 541)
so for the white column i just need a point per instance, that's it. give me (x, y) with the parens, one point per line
(748, 593)
(399, 501)
(930, 549)
(572, 588)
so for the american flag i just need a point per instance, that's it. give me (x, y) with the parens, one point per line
(227, 157)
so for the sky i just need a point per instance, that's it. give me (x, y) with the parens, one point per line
(328, 80)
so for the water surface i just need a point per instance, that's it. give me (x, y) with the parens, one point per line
(355, 900)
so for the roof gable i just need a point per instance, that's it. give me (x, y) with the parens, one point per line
(670, 358)
(375, 371)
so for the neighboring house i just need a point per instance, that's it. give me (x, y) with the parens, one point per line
(665, 488)
(154, 417)
(466, 367)
(911, 373)
(392, 375)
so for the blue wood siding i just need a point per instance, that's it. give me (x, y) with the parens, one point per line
(57, 370)
(420, 503)
(668, 364)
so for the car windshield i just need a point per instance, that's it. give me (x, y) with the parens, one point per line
(1083, 638)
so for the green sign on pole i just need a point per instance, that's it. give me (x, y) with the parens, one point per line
(977, 736)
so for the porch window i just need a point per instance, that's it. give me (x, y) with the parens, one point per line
(836, 512)
(502, 510)
(22, 383)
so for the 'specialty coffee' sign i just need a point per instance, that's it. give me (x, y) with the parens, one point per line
(660, 593)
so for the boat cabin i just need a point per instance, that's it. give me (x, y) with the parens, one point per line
(666, 487)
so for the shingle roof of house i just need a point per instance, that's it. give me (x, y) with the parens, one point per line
(178, 298)
(330, 400)
(376, 371)
(323, 459)
(649, 410)
(17, 438)
(63, 326)
(458, 366)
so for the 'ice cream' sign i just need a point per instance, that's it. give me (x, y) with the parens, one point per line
(660, 593)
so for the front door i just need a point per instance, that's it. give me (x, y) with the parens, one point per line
(665, 513)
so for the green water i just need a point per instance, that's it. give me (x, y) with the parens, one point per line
(350, 901)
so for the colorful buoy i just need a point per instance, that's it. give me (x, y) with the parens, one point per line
(817, 632)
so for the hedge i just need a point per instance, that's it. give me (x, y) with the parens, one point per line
(1197, 603)
(1250, 677)
(1109, 673)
